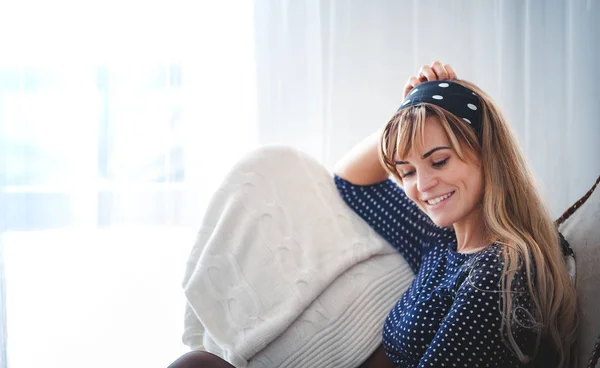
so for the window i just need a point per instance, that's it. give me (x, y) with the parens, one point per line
(115, 128)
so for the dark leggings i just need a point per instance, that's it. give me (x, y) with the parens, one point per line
(201, 359)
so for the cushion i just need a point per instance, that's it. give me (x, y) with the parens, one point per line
(580, 226)
(284, 273)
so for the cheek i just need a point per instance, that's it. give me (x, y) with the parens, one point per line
(411, 192)
(476, 185)
(480, 190)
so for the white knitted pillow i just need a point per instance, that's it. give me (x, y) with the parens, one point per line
(343, 326)
(335, 319)
(582, 231)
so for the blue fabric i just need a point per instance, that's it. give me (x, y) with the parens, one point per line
(450, 315)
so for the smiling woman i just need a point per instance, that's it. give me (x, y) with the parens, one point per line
(446, 188)
(491, 287)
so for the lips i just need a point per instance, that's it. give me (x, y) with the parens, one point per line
(439, 199)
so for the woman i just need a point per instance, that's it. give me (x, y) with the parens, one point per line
(491, 287)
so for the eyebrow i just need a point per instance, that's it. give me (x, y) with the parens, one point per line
(427, 154)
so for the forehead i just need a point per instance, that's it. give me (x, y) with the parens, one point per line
(433, 135)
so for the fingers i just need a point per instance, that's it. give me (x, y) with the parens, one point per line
(439, 70)
(410, 84)
(426, 73)
(450, 70)
(435, 71)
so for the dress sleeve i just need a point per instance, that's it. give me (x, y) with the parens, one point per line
(470, 334)
(387, 209)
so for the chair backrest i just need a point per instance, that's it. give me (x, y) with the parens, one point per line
(593, 362)
(580, 225)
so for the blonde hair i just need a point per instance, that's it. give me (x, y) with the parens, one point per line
(514, 217)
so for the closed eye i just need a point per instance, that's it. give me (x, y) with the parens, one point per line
(407, 174)
(437, 165)
(441, 163)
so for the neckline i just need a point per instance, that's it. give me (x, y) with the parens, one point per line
(452, 250)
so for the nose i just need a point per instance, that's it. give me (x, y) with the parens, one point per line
(426, 180)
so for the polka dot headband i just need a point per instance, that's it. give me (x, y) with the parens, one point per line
(450, 96)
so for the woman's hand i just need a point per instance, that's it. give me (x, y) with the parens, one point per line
(437, 71)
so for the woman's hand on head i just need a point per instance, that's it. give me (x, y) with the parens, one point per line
(435, 71)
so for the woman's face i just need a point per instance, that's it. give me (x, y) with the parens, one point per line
(446, 188)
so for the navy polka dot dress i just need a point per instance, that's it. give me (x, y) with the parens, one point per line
(450, 315)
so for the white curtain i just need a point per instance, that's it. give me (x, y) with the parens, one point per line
(331, 72)
(119, 118)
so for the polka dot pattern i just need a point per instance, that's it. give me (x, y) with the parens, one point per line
(453, 97)
(449, 316)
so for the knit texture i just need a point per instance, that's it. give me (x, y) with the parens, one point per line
(283, 273)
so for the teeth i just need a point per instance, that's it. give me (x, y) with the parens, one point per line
(438, 199)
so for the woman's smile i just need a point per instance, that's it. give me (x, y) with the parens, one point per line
(438, 202)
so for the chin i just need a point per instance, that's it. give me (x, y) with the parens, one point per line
(441, 221)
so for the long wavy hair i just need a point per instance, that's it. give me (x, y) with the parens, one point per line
(514, 217)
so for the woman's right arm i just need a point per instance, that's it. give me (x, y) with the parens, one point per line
(366, 188)
(361, 165)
